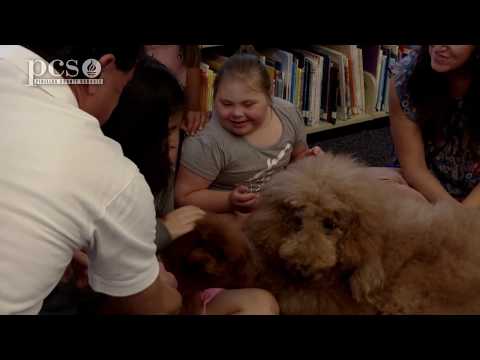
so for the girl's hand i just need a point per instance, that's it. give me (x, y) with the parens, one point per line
(242, 200)
(315, 151)
(302, 154)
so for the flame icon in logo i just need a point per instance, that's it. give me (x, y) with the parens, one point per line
(91, 68)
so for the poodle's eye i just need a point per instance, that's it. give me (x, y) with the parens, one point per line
(328, 225)
(294, 218)
(297, 219)
(297, 223)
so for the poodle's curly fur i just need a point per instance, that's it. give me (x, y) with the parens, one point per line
(328, 238)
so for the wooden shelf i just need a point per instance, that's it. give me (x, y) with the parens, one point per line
(324, 126)
(208, 46)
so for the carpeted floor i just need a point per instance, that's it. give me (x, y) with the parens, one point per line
(371, 145)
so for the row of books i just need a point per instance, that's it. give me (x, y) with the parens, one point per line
(325, 82)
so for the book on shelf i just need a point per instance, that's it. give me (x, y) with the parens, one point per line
(381, 82)
(362, 80)
(370, 92)
(306, 93)
(340, 60)
(334, 93)
(285, 60)
(315, 74)
(349, 51)
(325, 86)
(372, 64)
(298, 70)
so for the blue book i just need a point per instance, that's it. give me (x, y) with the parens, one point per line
(391, 62)
(385, 80)
(294, 79)
(381, 82)
(324, 105)
(306, 92)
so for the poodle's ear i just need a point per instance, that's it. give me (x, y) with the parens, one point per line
(367, 280)
(360, 251)
(363, 253)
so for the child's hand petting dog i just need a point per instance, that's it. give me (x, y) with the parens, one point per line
(315, 151)
(182, 220)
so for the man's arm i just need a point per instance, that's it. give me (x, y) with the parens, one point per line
(159, 298)
(122, 256)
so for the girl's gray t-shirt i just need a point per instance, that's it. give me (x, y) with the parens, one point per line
(228, 160)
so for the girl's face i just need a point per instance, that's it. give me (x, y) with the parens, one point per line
(174, 124)
(241, 109)
(447, 58)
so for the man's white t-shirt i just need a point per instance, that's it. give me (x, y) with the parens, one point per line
(65, 186)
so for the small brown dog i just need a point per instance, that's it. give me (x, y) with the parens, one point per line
(217, 254)
(329, 239)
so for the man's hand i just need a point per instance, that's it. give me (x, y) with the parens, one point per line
(77, 270)
(167, 277)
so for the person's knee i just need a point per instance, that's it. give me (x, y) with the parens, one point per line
(264, 301)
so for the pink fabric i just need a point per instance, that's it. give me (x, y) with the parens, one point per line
(206, 296)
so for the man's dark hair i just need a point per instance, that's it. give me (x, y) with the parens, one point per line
(126, 56)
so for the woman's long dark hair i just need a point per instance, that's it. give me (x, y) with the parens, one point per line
(140, 121)
(430, 96)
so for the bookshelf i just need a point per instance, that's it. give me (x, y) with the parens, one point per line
(369, 107)
(208, 46)
(324, 126)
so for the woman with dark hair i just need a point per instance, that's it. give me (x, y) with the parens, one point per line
(140, 122)
(434, 98)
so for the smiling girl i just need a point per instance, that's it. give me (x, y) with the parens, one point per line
(251, 137)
